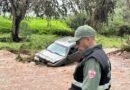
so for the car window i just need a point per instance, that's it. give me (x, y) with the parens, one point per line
(72, 50)
(58, 49)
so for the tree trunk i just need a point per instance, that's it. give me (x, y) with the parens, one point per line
(94, 22)
(15, 29)
(128, 4)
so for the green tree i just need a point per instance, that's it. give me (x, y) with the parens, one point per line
(19, 8)
(97, 11)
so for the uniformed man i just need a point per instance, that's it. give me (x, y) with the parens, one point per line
(93, 72)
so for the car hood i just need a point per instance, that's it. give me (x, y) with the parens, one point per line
(49, 56)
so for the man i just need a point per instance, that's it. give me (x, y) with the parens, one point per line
(93, 72)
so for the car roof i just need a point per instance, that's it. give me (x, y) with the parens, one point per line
(66, 41)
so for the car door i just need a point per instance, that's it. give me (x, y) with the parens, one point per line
(74, 54)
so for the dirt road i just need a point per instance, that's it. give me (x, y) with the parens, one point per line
(24, 76)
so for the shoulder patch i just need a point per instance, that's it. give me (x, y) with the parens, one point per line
(91, 74)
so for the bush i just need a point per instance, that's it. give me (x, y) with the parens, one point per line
(77, 20)
(38, 42)
(126, 45)
(25, 31)
(117, 23)
(124, 30)
(37, 25)
(49, 27)
(117, 28)
(5, 25)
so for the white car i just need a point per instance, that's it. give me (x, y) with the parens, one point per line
(58, 53)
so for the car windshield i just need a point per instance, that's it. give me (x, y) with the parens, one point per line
(58, 49)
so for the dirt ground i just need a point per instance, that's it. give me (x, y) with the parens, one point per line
(27, 76)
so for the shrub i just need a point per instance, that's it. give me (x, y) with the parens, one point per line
(25, 31)
(124, 30)
(126, 45)
(38, 42)
(5, 25)
(49, 27)
(77, 20)
(117, 23)
(37, 25)
(117, 28)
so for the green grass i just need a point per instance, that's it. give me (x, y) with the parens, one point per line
(43, 35)
(109, 42)
(37, 25)
(36, 42)
(9, 43)
(5, 24)
(41, 41)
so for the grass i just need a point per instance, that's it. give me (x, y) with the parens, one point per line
(41, 41)
(37, 25)
(38, 33)
(36, 42)
(110, 42)
(43, 35)
(5, 24)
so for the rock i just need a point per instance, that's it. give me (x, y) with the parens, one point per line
(32, 63)
(125, 52)
(119, 53)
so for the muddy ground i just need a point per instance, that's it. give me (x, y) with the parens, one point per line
(27, 76)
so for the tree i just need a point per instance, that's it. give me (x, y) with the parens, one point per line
(49, 8)
(97, 10)
(5, 7)
(128, 4)
(101, 13)
(19, 8)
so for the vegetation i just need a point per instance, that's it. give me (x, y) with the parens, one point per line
(37, 35)
(36, 41)
(97, 11)
(37, 25)
(53, 19)
(39, 42)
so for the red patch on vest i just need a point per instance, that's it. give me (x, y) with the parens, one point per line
(91, 74)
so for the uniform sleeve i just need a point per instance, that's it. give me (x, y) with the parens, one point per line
(92, 75)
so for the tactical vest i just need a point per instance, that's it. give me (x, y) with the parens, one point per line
(99, 55)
